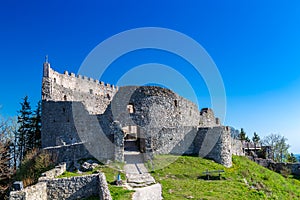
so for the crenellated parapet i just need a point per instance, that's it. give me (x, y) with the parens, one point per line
(94, 94)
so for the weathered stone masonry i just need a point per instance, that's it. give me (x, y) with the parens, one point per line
(71, 188)
(77, 110)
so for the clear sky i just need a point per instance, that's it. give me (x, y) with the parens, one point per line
(255, 45)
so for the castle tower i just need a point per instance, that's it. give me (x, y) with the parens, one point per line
(46, 68)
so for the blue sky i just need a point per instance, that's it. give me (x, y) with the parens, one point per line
(255, 45)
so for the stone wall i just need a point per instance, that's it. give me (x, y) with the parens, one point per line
(78, 110)
(207, 118)
(34, 192)
(177, 141)
(93, 94)
(237, 147)
(293, 167)
(214, 143)
(57, 171)
(73, 187)
(153, 107)
(50, 188)
(69, 153)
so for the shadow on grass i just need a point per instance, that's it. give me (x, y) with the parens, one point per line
(211, 177)
(295, 177)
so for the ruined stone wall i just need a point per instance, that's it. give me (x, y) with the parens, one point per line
(94, 95)
(177, 141)
(237, 147)
(153, 107)
(71, 132)
(211, 142)
(207, 118)
(278, 167)
(77, 110)
(57, 171)
(214, 143)
(71, 188)
(34, 192)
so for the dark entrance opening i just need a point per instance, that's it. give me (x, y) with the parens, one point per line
(133, 140)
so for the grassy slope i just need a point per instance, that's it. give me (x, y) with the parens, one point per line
(180, 180)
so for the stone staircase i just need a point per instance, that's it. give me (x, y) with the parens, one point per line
(136, 173)
(138, 177)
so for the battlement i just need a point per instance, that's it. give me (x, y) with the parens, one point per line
(95, 94)
(60, 78)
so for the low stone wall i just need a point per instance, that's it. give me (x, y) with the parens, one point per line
(57, 171)
(71, 188)
(293, 167)
(69, 153)
(35, 192)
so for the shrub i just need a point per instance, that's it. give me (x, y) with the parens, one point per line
(285, 171)
(33, 165)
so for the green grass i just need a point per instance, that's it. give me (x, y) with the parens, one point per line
(111, 172)
(181, 180)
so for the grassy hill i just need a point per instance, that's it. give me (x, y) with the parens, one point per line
(245, 180)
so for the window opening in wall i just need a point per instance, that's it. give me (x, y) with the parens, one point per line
(91, 91)
(130, 108)
(175, 103)
(64, 110)
(65, 97)
(108, 96)
(54, 80)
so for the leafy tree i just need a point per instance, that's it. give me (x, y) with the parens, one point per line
(279, 147)
(292, 158)
(256, 138)
(282, 149)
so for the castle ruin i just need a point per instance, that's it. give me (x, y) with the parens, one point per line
(82, 117)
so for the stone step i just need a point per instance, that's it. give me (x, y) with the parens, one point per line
(134, 185)
(140, 180)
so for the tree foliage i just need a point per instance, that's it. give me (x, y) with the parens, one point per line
(292, 158)
(37, 126)
(28, 135)
(279, 147)
(5, 156)
(33, 165)
(243, 136)
(255, 138)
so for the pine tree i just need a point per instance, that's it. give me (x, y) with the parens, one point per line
(292, 158)
(24, 133)
(256, 138)
(242, 135)
(36, 126)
